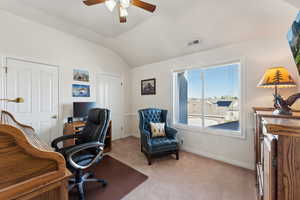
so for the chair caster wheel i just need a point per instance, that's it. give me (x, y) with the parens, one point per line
(104, 183)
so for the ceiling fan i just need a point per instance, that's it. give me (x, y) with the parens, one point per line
(122, 6)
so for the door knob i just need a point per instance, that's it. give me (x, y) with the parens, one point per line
(54, 117)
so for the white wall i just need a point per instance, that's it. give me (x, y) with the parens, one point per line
(258, 55)
(21, 38)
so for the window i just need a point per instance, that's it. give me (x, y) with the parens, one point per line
(209, 97)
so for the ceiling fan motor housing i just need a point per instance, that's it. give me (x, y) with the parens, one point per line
(122, 6)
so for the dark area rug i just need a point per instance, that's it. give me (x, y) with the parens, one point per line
(121, 179)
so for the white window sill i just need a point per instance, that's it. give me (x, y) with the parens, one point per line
(210, 131)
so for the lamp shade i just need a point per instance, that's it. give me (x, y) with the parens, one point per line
(277, 76)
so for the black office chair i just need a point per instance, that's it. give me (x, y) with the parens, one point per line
(88, 149)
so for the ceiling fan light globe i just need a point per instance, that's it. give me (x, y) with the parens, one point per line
(111, 4)
(123, 12)
(125, 3)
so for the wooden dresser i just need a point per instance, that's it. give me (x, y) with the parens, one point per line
(277, 155)
(29, 168)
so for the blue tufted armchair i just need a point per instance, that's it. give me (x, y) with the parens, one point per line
(162, 145)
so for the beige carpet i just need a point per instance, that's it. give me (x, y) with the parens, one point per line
(191, 178)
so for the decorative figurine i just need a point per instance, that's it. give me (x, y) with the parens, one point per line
(283, 106)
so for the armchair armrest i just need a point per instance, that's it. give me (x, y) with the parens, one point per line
(171, 132)
(146, 134)
(70, 152)
(62, 138)
(146, 139)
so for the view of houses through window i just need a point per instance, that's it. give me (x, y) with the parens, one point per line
(210, 97)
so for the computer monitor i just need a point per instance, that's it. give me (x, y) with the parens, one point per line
(81, 109)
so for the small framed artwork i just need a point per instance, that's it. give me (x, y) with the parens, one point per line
(80, 90)
(81, 75)
(148, 87)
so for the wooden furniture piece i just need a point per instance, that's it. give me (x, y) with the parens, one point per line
(277, 155)
(29, 168)
(76, 127)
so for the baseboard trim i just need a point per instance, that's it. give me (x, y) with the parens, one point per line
(137, 135)
(218, 157)
(121, 137)
(224, 159)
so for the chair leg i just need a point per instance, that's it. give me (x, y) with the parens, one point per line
(89, 174)
(149, 159)
(71, 186)
(177, 155)
(102, 181)
(72, 180)
(80, 190)
(81, 179)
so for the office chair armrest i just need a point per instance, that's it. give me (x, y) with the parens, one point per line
(62, 138)
(171, 132)
(70, 152)
(81, 147)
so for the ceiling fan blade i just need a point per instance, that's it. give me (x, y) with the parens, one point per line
(144, 5)
(93, 2)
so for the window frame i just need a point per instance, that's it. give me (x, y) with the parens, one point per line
(241, 134)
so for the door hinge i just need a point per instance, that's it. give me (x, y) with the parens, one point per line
(5, 70)
(121, 83)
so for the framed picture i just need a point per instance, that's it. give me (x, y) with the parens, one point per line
(81, 75)
(80, 90)
(148, 86)
(294, 40)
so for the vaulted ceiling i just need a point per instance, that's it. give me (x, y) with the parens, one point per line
(148, 38)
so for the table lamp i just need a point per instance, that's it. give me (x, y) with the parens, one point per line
(277, 77)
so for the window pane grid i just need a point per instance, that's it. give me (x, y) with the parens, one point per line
(210, 97)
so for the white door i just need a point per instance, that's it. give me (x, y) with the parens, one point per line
(38, 85)
(109, 95)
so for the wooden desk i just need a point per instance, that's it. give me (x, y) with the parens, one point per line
(29, 168)
(75, 127)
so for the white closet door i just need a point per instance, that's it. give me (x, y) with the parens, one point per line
(38, 85)
(109, 95)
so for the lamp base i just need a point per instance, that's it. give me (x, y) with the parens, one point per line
(282, 112)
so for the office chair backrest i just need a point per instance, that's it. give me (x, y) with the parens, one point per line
(151, 115)
(96, 126)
